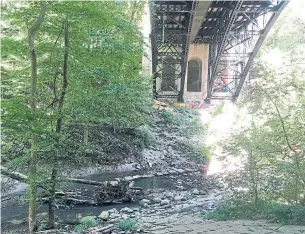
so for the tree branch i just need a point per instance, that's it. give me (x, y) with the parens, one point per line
(281, 120)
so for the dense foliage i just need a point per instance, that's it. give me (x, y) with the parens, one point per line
(68, 67)
(271, 142)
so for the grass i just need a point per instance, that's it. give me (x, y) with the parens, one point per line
(145, 136)
(127, 224)
(182, 121)
(218, 110)
(200, 154)
(85, 223)
(275, 212)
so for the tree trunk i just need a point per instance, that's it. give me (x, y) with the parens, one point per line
(133, 10)
(86, 134)
(253, 176)
(59, 125)
(33, 156)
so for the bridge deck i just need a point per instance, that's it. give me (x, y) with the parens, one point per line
(234, 31)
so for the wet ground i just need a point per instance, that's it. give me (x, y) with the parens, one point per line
(15, 211)
(14, 206)
(194, 224)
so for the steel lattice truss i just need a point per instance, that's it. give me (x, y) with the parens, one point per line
(234, 30)
(171, 21)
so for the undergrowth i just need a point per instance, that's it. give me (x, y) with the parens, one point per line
(275, 212)
(85, 223)
(200, 154)
(127, 224)
(183, 121)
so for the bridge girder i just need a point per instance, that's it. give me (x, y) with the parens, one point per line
(234, 30)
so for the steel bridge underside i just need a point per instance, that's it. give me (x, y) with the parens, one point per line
(234, 30)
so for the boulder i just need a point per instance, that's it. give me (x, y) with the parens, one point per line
(145, 201)
(131, 184)
(87, 218)
(164, 202)
(114, 183)
(128, 178)
(180, 170)
(157, 200)
(104, 215)
(113, 211)
(145, 205)
(180, 187)
(179, 198)
(202, 192)
(195, 192)
(169, 195)
(126, 210)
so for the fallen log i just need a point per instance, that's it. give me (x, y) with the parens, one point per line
(14, 175)
(101, 229)
(24, 179)
(52, 231)
(110, 192)
(75, 201)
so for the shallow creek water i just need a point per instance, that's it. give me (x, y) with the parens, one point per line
(14, 208)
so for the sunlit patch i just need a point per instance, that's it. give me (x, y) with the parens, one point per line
(219, 128)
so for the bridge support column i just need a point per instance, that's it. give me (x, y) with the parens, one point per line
(207, 101)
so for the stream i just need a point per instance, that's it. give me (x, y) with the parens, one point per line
(15, 209)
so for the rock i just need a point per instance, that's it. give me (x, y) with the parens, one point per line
(159, 174)
(202, 192)
(179, 182)
(145, 205)
(180, 187)
(131, 184)
(128, 178)
(115, 215)
(88, 218)
(104, 215)
(113, 211)
(157, 200)
(211, 198)
(179, 198)
(17, 221)
(179, 170)
(164, 172)
(126, 210)
(164, 202)
(137, 213)
(169, 195)
(195, 192)
(178, 208)
(145, 201)
(114, 183)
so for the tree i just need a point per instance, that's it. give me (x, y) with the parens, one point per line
(102, 61)
(33, 157)
(272, 143)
